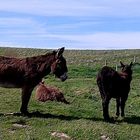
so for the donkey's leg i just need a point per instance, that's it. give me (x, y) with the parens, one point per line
(26, 94)
(61, 98)
(105, 99)
(118, 107)
(64, 100)
(123, 100)
(105, 104)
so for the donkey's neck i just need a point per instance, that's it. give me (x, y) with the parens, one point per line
(43, 63)
(45, 66)
(126, 76)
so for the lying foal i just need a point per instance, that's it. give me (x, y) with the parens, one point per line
(45, 93)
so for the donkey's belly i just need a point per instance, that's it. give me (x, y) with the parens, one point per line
(9, 85)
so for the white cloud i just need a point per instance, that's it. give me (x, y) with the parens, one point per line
(98, 41)
(44, 7)
(73, 7)
(20, 25)
(10, 21)
(103, 40)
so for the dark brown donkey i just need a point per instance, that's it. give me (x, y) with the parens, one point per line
(113, 84)
(26, 73)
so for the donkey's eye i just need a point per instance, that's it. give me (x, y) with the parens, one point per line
(58, 66)
(58, 62)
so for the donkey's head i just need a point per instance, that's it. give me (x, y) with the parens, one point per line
(126, 68)
(59, 66)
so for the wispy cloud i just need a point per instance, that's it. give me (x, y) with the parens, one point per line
(18, 25)
(73, 7)
(46, 7)
(103, 40)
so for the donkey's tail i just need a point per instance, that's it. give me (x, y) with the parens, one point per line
(101, 87)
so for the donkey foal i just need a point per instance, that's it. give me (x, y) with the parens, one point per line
(45, 93)
(113, 84)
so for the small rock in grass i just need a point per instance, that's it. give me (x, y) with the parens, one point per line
(60, 135)
(16, 125)
(103, 137)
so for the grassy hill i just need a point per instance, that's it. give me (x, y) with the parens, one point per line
(82, 119)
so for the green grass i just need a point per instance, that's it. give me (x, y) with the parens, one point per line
(82, 119)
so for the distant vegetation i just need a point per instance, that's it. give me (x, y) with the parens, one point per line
(80, 57)
(82, 119)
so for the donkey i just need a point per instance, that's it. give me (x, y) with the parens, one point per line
(26, 73)
(47, 93)
(113, 84)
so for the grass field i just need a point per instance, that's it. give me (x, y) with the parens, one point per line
(82, 119)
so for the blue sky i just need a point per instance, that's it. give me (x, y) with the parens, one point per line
(75, 24)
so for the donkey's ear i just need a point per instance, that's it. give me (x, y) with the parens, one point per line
(60, 52)
(131, 64)
(122, 65)
(42, 82)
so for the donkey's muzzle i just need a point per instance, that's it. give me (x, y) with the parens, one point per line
(64, 77)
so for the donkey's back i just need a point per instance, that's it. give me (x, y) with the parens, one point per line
(108, 81)
(12, 72)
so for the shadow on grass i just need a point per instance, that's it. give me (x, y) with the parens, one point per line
(1, 114)
(37, 114)
(129, 120)
(132, 120)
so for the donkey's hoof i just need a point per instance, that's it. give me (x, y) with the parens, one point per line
(25, 113)
(107, 119)
(116, 117)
